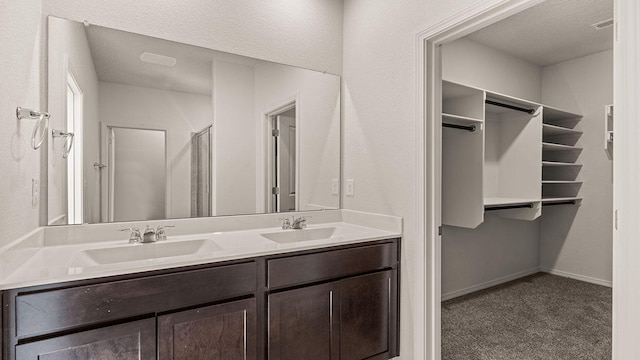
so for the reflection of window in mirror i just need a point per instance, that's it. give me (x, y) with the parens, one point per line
(75, 111)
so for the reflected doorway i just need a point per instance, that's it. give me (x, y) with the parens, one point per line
(136, 173)
(201, 173)
(282, 161)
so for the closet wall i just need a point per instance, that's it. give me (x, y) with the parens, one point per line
(568, 240)
(577, 241)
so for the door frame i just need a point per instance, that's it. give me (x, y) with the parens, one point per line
(104, 175)
(429, 144)
(269, 118)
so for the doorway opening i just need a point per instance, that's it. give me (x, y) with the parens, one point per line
(282, 169)
(559, 176)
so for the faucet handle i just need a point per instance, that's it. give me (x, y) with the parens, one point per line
(161, 233)
(286, 222)
(134, 237)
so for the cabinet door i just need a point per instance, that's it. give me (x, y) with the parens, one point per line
(219, 332)
(130, 341)
(367, 326)
(304, 323)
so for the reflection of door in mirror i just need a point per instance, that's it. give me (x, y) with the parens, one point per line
(201, 173)
(136, 180)
(284, 161)
(75, 113)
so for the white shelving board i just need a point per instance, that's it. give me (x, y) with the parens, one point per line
(547, 146)
(559, 164)
(554, 130)
(498, 201)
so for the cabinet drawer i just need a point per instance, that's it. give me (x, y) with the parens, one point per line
(301, 269)
(55, 310)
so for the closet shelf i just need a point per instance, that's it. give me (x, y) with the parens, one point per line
(547, 146)
(558, 199)
(559, 163)
(552, 182)
(552, 114)
(498, 201)
(463, 120)
(554, 130)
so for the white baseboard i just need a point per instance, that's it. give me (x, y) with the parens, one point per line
(488, 284)
(577, 277)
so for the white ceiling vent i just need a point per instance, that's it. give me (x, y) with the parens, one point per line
(603, 24)
(158, 59)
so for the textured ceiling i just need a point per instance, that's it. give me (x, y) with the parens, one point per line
(551, 32)
(116, 55)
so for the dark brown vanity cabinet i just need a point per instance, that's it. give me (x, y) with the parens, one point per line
(129, 341)
(218, 332)
(325, 304)
(352, 316)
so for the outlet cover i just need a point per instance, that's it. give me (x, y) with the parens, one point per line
(350, 187)
(335, 187)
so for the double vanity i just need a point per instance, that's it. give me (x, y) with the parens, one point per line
(228, 288)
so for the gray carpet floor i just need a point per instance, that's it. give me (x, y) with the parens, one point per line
(539, 317)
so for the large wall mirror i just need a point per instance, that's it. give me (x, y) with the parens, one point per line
(145, 129)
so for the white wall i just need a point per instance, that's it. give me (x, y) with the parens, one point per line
(22, 73)
(179, 113)
(379, 139)
(499, 249)
(70, 41)
(578, 241)
(274, 30)
(462, 59)
(234, 141)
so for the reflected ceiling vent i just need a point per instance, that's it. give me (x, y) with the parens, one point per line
(158, 59)
(603, 24)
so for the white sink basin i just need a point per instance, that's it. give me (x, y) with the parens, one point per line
(139, 252)
(289, 236)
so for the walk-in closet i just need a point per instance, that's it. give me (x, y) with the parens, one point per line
(527, 190)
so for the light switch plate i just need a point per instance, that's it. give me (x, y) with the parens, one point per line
(350, 187)
(335, 187)
(35, 191)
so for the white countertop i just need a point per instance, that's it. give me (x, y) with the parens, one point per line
(34, 260)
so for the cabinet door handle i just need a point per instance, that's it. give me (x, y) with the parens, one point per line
(331, 306)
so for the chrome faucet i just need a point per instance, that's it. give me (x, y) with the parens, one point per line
(149, 235)
(134, 237)
(299, 223)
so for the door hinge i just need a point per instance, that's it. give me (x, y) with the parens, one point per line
(275, 132)
(275, 190)
(440, 230)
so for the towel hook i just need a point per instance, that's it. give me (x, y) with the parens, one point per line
(68, 143)
(22, 113)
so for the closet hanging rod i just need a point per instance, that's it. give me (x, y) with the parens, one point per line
(512, 107)
(507, 207)
(568, 202)
(471, 128)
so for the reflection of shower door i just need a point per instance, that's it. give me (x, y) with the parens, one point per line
(285, 164)
(136, 174)
(201, 173)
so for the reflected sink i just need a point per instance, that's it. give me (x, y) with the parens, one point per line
(289, 236)
(138, 252)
